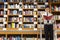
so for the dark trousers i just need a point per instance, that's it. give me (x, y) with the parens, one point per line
(48, 29)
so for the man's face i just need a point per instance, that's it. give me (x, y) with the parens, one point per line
(47, 9)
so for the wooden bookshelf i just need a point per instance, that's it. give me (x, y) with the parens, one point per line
(19, 13)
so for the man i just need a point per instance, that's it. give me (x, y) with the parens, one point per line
(48, 24)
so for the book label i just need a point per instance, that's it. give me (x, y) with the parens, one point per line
(35, 9)
(5, 15)
(4, 28)
(5, 3)
(46, 3)
(35, 22)
(20, 29)
(20, 15)
(35, 15)
(4, 22)
(20, 22)
(35, 3)
(35, 28)
(20, 9)
(20, 2)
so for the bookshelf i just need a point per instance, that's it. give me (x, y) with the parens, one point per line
(20, 19)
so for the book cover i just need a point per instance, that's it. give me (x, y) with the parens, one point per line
(18, 37)
(13, 25)
(10, 38)
(34, 12)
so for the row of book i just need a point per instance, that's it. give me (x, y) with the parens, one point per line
(1, 6)
(30, 19)
(3, 0)
(55, 0)
(58, 25)
(2, 19)
(41, 12)
(14, 6)
(15, 1)
(15, 19)
(29, 6)
(14, 25)
(14, 38)
(14, 12)
(3, 38)
(55, 8)
(57, 17)
(31, 38)
(41, 6)
(29, 0)
(29, 26)
(28, 12)
(2, 25)
(1, 12)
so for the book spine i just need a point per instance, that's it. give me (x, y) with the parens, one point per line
(13, 25)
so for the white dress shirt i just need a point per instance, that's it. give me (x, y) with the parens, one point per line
(50, 21)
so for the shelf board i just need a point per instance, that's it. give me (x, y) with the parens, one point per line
(1, 15)
(41, 9)
(11, 21)
(13, 2)
(13, 8)
(28, 2)
(28, 15)
(55, 2)
(40, 2)
(13, 15)
(57, 19)
(55, 11)
(28, 22)
(28, 9)
(1, 2)
(1, 8)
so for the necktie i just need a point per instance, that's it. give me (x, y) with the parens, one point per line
(47, 20)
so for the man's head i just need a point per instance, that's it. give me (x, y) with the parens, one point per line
(47, 8)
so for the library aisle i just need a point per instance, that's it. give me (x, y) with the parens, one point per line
(20, 19)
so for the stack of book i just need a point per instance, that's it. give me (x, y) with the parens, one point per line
(14, 19)
(2, 38)
(2, 19)
(13, 25)
(55, 17)
(58, 25)
(58, 17)
(1, 6)
(29, 19)
(2, 25)
(41, 6)
(28, 12)
(12, 6)
(13, 1)
(29, 6)
(14, 12)
(3, 0)
(29, 26)
(1, 12)
(41, 12)
(56, 8)
(14, 38)
(40, 25)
